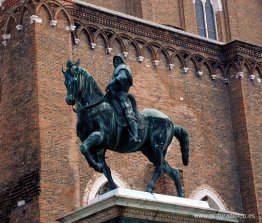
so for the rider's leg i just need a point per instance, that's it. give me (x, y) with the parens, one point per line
(133, 126)
(93, 139)
(127, 108)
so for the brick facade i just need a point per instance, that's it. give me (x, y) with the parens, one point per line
(39, 159)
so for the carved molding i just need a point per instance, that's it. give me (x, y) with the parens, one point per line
(143, 36)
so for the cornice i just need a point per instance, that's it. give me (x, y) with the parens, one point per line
(240, 47)
(147, 29)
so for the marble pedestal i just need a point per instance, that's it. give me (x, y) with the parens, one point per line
(129, 206)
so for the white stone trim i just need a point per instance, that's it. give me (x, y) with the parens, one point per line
(109, 50)
(20, 203)
(156, 62)
(6, 36)
(70, 28)
(213, 77)
(19, 27)
(100, 181)
(140, 59)
(240, 75)
(206, 190)
(77, 41)
(35, 19)
(171, 66)
(252, 77)
(53, 23)
(125, 54)
(185, 70)
(199, 73)
(93, 45)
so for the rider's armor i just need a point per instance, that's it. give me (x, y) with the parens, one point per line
(118, 87)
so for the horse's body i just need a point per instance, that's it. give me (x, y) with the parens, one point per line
(99, 129)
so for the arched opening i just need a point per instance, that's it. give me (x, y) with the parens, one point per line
(206, 193)
(210, 202)
(99, 187)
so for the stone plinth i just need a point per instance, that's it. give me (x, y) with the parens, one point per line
(129, 206)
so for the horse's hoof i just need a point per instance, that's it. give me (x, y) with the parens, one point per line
(149, 190)
(99, 167)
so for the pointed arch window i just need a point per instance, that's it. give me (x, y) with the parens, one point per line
(206, 20)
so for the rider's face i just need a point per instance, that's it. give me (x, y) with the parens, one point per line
(117, 62)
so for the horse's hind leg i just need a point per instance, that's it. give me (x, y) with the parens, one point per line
(106, 169)
(175, 176)
(157, 159)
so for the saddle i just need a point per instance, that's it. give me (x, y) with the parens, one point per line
(120, 117)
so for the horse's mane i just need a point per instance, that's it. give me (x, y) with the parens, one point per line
(88, 87)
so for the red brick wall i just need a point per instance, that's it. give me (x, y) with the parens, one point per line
(245, 20)
(59, 150)
(223, 149)
(252, 103)
(19, 140)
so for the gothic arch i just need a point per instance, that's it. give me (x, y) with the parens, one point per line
(101, 34)
(11, 21)
(47, 9)
(118, 39)
(178, 55)
(22, 12)
(90, 193)
(64, 10)
(165, 53)
(86, 31)
(147, 46)
(136, 46)
(207, 193)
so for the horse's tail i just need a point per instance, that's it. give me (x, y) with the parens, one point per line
(182, 136)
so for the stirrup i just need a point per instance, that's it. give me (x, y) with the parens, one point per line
(133, 139)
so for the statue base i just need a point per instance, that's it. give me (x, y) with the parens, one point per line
(130, 206)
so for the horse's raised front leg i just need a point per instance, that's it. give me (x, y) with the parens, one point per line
(94, 139)
(157, 158)
(106, 169)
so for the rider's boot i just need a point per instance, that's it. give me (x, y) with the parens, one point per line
(133, 126)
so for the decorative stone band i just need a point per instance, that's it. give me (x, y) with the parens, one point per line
(77, 41)
(185, 70)
(171, 66)
(53, 23)
(125, 54)
(213, 77)
(93, 45)
(70, 28)
(146, 206)
(156, 62)
(140, 59)
(19, 27)
(35, 19)
(109, 50)
(199, 73)
(239, 75)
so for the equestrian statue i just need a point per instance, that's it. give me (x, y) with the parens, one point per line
(112, 121)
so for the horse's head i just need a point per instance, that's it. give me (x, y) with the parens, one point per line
(71, 81)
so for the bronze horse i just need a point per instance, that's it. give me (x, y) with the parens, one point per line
(99, 129)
